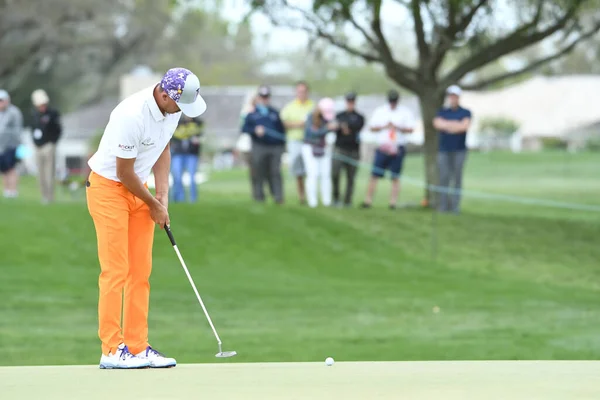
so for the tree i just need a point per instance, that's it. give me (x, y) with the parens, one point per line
(201, 41)
(453, 38)
(57, 44)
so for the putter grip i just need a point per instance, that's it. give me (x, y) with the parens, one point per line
(170, 234)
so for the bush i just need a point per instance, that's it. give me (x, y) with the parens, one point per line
(501, 127)
(551, 143)
(593, 144)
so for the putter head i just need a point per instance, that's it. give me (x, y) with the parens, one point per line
(225, 354)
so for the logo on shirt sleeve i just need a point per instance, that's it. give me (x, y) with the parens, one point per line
(126, 147)
(148, 142)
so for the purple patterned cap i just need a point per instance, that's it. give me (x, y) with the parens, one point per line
(184, 88)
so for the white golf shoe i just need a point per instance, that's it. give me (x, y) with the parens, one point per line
(122, 359)
(156, 359)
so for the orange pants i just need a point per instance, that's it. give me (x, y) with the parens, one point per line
(125, 235)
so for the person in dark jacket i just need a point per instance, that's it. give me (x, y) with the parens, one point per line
(452, 122)
(265, 127)
(347, 154)
(47, 130)
(185, 155)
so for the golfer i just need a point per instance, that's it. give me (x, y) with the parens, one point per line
(135, 142)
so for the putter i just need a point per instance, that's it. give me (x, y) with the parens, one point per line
(221, 353)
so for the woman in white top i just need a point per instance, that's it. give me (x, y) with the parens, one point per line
(316, 153)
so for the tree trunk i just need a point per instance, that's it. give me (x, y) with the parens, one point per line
(429, 105)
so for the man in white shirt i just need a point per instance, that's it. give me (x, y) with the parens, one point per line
(135, 142)
(392, 122)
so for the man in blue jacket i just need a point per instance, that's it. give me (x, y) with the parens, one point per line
(452, 123)
(265, 127)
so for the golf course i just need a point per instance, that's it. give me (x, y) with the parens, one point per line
(515, 276)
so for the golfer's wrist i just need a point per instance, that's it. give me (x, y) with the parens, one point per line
(154, 203)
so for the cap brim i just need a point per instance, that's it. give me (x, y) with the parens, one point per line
(194, 109)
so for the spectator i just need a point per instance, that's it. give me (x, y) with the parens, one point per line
(347, 153)
(315, 152)
(47, 130)
(265, 127)
(452, 123)
(294, 117)
(244, 143)
(11, 126)
(391, 121)
(185, 156)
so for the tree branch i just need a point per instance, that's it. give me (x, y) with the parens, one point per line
(419, 31)
(533, 65)
(448, 35)
(355, 24)
(400, 72)
(517, 40)
(319, 31)
(466, 19)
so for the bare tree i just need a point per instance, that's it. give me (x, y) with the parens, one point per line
(470, 31)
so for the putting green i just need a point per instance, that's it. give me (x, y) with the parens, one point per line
(346, 380)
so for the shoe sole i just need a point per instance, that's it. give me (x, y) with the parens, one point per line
(165, 366)
(111, 367)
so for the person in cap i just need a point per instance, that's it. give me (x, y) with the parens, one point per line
(294, 117)
(347, 154)
(134, 144)
(316, 154)
(11, 127)
(391, 122)
(46, 131)
(452, 122)
(265, 127)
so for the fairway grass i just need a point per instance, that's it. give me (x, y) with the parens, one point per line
(501, 380)
(292, 284)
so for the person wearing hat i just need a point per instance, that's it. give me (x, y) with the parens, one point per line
(265, 127)
(294, 117)
(347, 154)
(46, 130)
(11, 127)
(134, 144)
(452, 122)
(316, 154)
(392, 122)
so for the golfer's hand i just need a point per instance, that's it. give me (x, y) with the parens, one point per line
(160, 215)
(163, 199)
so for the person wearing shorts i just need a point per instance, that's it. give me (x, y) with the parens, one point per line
(134, 144)
(294, 116)
(391, 122)
(11, 126)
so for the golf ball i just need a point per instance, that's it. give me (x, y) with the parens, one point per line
(329, 361)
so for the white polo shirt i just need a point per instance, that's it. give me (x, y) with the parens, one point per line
(136, 129)
(399, 116)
